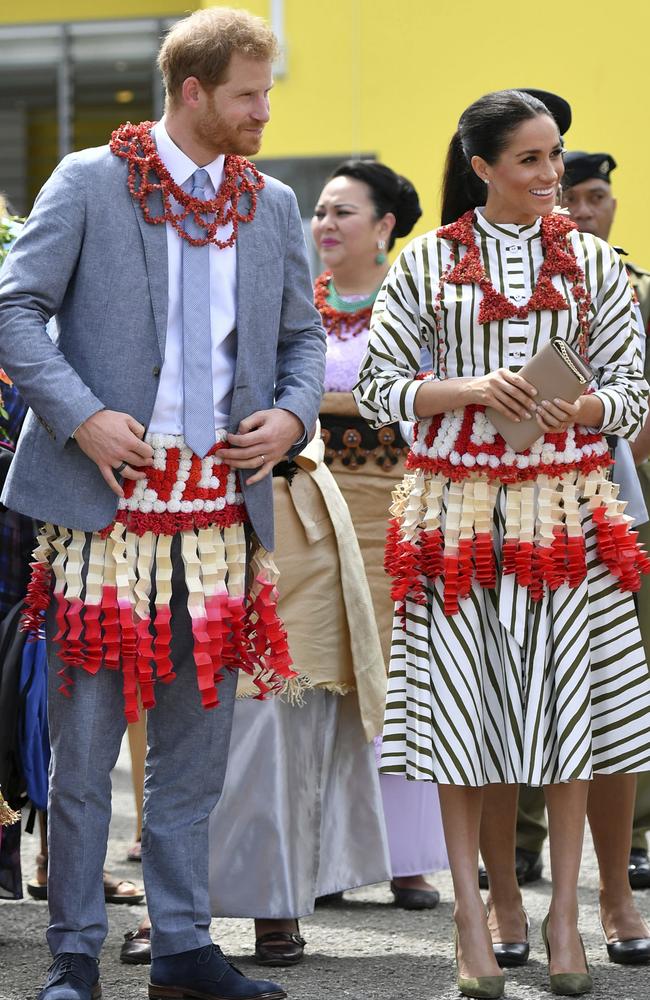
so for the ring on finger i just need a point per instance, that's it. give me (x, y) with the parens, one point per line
(263, 459)
(120, 468)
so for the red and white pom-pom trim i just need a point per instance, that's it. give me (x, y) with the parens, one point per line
(463, 442)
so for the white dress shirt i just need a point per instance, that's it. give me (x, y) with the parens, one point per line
(167, 416)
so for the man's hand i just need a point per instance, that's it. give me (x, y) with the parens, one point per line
(110, 439)
(262, 440)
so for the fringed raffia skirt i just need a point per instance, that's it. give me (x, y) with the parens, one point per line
(516, 653)
(112, 589)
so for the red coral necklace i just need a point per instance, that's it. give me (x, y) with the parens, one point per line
(339, 323)
(148, 174)
(559, 259)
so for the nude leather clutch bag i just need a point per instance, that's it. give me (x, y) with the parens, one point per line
(555, 371)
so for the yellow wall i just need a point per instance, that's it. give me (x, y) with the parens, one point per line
(393, 76)
(82, 10)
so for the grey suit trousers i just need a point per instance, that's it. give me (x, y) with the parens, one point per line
(186, 762)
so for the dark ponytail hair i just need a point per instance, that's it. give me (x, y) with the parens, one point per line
(389, 192)
(483, 130)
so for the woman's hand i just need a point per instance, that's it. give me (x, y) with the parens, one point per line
(506, 391)
(555, 415)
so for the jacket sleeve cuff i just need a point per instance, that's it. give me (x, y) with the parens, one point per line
(297, 447)
(611, 410)
(68, 423)
(401, 399)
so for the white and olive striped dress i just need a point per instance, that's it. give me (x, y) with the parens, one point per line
(510, 689)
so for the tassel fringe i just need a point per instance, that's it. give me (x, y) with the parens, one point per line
(543, 546)
(102, 595)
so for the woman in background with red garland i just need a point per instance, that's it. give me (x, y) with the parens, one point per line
(523, 665)
(362, 209)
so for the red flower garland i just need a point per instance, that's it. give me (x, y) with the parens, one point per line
(148, 174)
(559, 259)
(343, 325)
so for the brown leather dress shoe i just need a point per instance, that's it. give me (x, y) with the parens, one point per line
(280, 948)
(136, 949)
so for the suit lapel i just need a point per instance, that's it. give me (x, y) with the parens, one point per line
(154, 240)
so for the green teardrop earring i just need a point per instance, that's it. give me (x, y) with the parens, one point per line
(381, 256)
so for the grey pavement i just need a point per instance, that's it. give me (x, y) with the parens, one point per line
(365, 949)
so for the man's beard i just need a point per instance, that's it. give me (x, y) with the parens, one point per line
(215, 134)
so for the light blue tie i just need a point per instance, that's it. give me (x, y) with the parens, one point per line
(198, 405)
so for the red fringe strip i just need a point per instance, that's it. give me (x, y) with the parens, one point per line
(392, 541)
(144, 661)
(407, 580)
(111, 626)
(465, 569)
(162, 645)
(486, 567)
(204, 666)
(620, 550)
(216, 609)
(128, 647)
(450, 599)
(267, 637)
(92, 633)
(431, 557)
(37, 599)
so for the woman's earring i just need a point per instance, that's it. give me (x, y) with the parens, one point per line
(486, 181)
(381, 255)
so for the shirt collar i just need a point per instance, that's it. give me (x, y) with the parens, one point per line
(505, 230)
(180, 166)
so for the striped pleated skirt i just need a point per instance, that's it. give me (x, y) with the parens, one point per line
(516, 689)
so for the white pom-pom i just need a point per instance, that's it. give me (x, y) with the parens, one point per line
(173, 506)
(159, 506)
(186, 507)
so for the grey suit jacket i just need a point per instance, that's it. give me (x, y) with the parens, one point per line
(87, 256)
